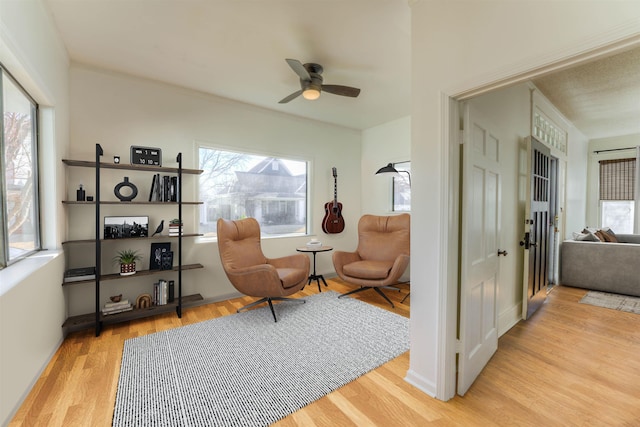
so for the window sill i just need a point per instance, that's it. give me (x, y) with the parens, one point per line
(18, 272)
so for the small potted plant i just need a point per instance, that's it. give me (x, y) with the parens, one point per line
(127, 259)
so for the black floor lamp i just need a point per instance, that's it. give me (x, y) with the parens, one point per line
(390, 169)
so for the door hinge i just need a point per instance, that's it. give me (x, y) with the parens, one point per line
(459, 347)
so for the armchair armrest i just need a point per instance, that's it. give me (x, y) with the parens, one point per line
(399, 266)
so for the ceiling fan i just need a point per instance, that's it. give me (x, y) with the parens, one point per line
(311, 82)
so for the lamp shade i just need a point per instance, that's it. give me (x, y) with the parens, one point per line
(387, 169)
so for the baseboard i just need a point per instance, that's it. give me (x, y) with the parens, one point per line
(421, 383)
(508, 319)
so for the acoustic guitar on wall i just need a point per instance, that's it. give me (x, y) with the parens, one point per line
(333, 221)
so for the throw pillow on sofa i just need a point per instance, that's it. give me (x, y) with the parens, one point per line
(586, 237)
(608, 235)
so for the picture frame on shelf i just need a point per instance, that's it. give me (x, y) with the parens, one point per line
(157, 251)
(166, 260)
(125, 227)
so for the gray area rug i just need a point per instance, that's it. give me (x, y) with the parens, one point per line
(247, 370)
(613, 301)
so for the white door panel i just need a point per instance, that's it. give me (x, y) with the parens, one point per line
(479, 247)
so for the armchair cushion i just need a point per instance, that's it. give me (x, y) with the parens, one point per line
(382, 255)
(368, 269)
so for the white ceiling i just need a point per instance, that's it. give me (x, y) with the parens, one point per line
(237, 49)
(601, 98)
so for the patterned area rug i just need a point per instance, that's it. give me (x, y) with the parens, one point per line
(247, 370)
(613, 301)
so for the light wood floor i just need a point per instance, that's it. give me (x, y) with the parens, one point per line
(570, 365)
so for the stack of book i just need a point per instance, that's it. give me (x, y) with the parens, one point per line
(78, 274)
(175, 228)
(164, 189)
(116, 307)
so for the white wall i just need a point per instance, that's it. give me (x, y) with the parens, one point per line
(618, 142)
(31, 299)
(387, 143)
(458, 47)
(118, 111)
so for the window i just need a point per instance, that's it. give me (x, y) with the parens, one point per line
(20, 228)
(238, 185)
(402, 187)
(617, 187)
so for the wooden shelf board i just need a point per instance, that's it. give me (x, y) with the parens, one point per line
(156, 237)
(113, 202)
(89, 164)
(117, 276)
(88, 320)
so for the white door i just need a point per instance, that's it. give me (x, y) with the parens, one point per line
(479, 247)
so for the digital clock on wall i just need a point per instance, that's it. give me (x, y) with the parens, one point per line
(148, 156)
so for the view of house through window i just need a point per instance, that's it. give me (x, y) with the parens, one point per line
(20, 227)
(402, 187)
(617, 190)
(238, 185)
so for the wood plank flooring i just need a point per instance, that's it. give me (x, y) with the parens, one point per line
(570, 365)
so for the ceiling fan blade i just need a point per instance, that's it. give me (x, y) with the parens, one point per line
(341, 90)
(290, 97)
(299, 69)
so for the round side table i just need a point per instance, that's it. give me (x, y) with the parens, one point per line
(315, 250)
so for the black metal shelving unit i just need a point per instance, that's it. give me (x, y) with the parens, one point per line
(97, 318)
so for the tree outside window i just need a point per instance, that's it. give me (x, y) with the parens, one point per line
(20, 231)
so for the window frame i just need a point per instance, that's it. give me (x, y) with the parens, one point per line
(401, 178)
(5, 252)
(619, 158)
(265, 155)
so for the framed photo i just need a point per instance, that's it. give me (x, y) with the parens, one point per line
(166, 262)
(157, 250)
(124, 227)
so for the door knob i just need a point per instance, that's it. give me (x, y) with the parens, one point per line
(503, 253)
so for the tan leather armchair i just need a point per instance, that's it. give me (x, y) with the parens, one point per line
(382, 255)
(253, 274)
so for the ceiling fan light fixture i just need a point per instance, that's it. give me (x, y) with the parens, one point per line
(311, 94)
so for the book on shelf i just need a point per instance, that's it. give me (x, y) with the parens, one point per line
(122, 303)
(171, 290)
(117, 307)
(114, 310)
(175, 229)
(161, 292)
(164, 188)
(78, 274)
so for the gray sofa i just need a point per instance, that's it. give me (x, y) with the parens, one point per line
(602, 266)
